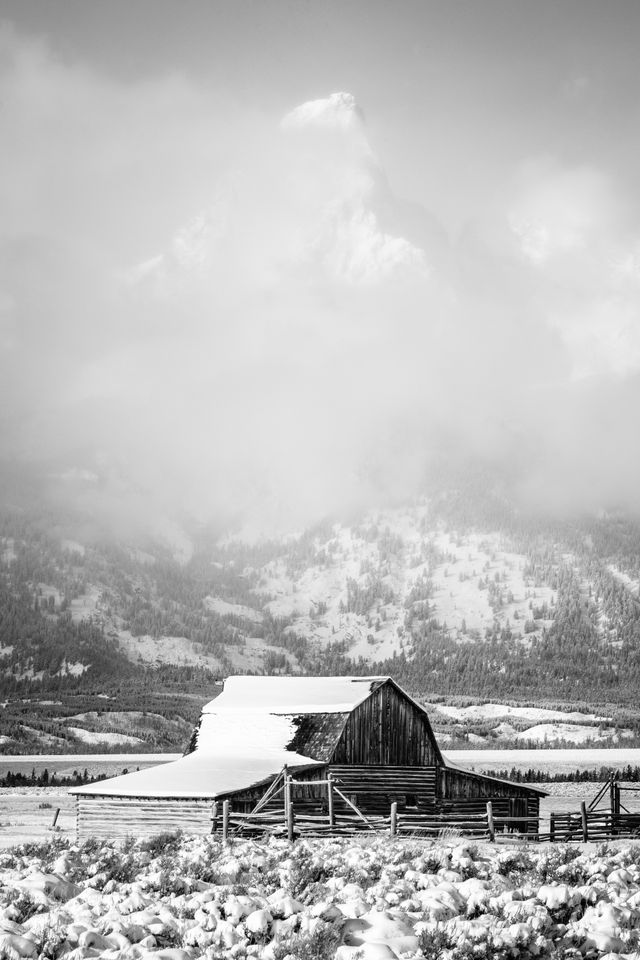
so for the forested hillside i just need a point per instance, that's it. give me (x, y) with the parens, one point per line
(457, 595)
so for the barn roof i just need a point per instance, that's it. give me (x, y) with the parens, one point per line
(293, 695)
(195, 776)
(249, 733)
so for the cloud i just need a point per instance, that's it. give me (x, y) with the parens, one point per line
(218, 316)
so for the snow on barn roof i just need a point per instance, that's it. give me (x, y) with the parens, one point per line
(196, 776)
(293, 695)
(243, 737)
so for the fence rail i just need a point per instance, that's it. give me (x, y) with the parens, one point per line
(480, 825)
(594, 825)
(579, 826)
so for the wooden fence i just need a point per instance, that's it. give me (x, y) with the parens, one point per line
(580, 826)
(286, 822)
(276, 813)
(593, 825)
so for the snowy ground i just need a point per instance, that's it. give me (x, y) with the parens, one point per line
(89, 736)
(535, 724)
(27, 814)
(226, 609)
(155, 650)
(370, 899)
(489, 711)
(572, 733)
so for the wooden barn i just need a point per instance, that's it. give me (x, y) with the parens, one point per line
(364, 736)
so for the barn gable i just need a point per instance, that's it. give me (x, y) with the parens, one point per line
(388, 729)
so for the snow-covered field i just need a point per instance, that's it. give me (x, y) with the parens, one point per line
(348, 899)
(26, 814)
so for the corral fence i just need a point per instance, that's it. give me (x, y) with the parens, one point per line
(605, 818)
(285, 820)
(591, 822)
(580, 826)
(593, 825)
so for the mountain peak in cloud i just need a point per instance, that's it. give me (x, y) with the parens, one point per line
(313, 201)
(338, 111)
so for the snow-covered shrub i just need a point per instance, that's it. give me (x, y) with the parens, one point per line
(52, 942)
(163, 844)
(514, 863)
(116, 868)
(555, 856)
(437, 942)
(305, 876)
(321, 944)
(22, 904)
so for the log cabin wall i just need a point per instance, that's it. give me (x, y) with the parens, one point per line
(374, 788)
(98, 816)
(463, 791)
(387, 729)
(465, 784)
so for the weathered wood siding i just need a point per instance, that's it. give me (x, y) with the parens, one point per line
(140, 817)
(463, 791)
(374, 788)
(387, 729)
(465, 784)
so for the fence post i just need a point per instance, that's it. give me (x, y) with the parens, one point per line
(394, 819)
(214, 816)
(332, 817)
(285, 792)
(55, 818)
(225, 820)
(552, 826)
(612, 797)
(288, 808)
(585, 824)
(490, 823)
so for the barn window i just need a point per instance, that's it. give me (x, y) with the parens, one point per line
(410, 800)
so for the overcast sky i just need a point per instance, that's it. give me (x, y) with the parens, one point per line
(212, 311)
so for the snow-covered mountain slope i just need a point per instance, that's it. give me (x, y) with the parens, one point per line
(362, 584)
(479, 605)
